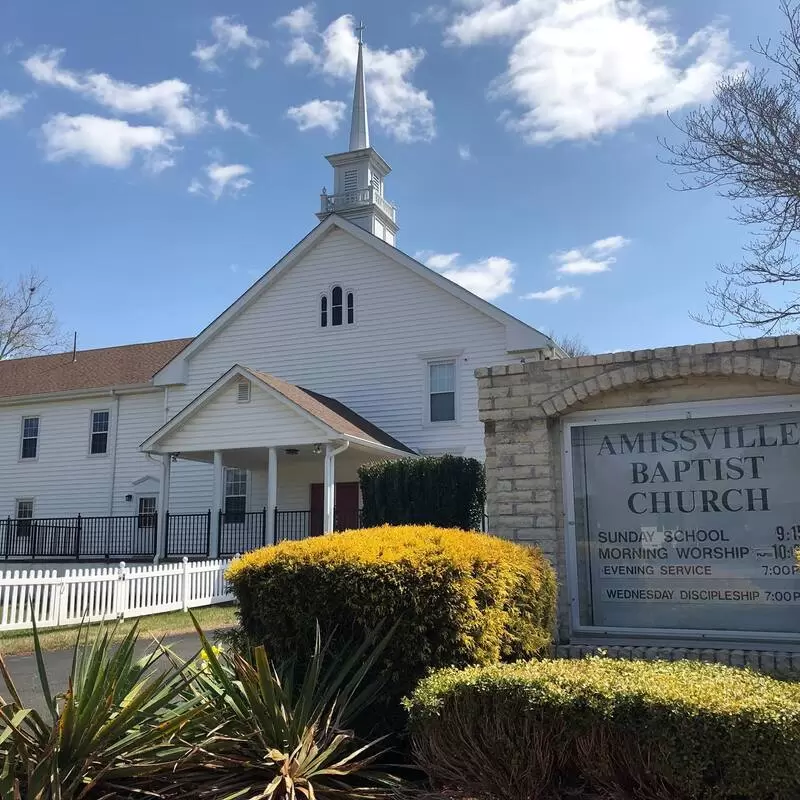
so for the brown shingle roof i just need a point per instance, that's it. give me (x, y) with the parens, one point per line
(334, 414)
(92, 369)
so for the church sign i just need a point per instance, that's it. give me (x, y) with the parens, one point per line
(687, 525)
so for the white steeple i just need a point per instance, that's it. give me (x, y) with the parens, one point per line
(358, 174)
(359, 126)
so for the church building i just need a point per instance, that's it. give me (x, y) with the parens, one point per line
(253, 431)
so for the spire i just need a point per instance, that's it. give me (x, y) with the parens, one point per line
(359, 127)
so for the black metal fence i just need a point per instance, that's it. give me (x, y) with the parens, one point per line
(135, 537)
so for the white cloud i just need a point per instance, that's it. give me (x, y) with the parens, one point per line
(488, 278)
(227, 123)
(554, 294)
(170, 101)
(229, 36)
(433, 13)
(597, 257)
(396, 105)
(582, 68)
(464, 153)
(222, 179)
(300, 20)
(325, 114)
(107, 142)
(11, 104)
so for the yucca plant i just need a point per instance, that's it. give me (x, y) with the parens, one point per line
(272, 737)
(119, 718)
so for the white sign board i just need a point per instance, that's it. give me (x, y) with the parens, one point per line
(689, 524)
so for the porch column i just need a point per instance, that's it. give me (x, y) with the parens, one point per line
(216, 505)
(329, 487)
(163, 506)
(272, 494)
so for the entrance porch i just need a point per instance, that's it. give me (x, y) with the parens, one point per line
(285, 465)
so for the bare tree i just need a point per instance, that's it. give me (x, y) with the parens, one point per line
(28, 324)
(572, 345)
(746, 145)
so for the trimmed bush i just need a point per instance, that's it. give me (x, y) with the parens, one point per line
(629, 729)
(447, 491)
(457, 598)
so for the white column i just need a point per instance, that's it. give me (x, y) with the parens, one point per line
(272, 493)
(330, 490)
(216, 506)
(163, 506)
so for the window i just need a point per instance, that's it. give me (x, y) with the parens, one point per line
(336, 305)
(24, 509)
(350, 308)
(350, 180)
(323, 311)
(30, 437)
(442, 389)
(148, 509)
(99, 439)
(243, 392)
(235, 495)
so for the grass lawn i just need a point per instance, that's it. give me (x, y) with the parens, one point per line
(209, 618)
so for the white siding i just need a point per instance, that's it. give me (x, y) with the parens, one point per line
(225, 423)
(64, 479)
(377, 366)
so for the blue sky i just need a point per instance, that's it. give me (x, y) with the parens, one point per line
(158, 157)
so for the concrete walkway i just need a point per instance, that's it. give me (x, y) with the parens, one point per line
(59, 662)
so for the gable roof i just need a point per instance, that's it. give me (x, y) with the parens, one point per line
(332, 417)
(104, 368)
(521, 336)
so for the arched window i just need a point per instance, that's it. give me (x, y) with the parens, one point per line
(336, 305)
(323, 311)
(351, 309)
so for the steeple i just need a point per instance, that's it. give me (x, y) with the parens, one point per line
(359, 125)
(358, 174)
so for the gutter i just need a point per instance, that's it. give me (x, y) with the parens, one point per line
(80, 394)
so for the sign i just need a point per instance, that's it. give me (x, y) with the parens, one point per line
(689, 524)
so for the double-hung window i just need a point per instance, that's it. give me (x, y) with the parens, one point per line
(148, 509)
(442, 391)
(29, 448)
(235, 495)
(98, 444)
(24, 509)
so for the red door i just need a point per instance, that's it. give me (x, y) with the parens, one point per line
(346, 507)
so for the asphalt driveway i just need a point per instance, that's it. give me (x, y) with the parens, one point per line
(58, 663)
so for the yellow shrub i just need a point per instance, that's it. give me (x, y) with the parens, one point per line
(631, 728)
(458, 598)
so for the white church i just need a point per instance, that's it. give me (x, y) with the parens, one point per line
(253, 431)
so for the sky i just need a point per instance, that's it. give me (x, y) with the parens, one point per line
(159, 157)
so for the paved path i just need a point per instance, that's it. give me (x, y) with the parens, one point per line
(59, 662)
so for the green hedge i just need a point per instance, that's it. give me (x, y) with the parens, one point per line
(458, 598)
(629, 729)
(447, 491)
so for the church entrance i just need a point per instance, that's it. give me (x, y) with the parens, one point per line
(345, 508)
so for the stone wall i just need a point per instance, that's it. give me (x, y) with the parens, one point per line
(522, 405)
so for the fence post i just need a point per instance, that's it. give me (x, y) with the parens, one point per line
(33, 539)
(275, 526)
(78, 538)
(208, 534)
(166, 535)
(121, 592)
(8, 537)
(185, 583)
(264, 527)
(63, 596)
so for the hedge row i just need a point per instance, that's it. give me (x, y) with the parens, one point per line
(674, 730)
(457, 597)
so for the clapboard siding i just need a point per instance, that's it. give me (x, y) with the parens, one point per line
(225, 423)
(377, 366)
(64, 479)
(139, 416)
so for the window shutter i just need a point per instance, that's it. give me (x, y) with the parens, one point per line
(350, 180)
(244, 392)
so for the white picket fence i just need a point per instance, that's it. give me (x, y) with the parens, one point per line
(108, 593)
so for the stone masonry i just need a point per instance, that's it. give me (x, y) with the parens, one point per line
(522, 405)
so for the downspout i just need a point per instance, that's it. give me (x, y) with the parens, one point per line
(114, 456)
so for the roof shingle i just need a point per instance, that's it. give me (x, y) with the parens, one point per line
(103, 368)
